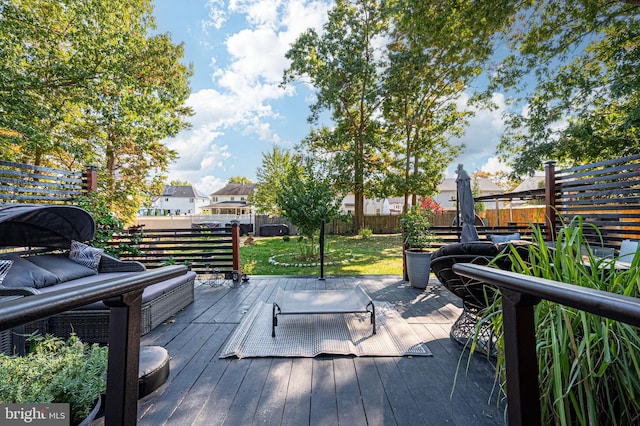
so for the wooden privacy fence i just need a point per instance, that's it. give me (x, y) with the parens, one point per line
(605, 194)
(24, 183)
(205, 250)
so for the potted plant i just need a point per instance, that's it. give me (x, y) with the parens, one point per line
(418, 240)
(56, 371)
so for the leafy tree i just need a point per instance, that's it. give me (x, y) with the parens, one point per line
(271, 175)
(239, 179)
(391, 73)
(345, 65)
(83, 82)
(307, 197)
(583, 61)
(435, 52)
(180, 183)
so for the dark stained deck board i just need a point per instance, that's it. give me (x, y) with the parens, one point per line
(324, 408)
(271, 405)
(180, 402)
(297, 404)
(342, 390)
(372, 390)
(350, 409)
(246, 400)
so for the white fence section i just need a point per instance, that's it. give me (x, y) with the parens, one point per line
(185, 221)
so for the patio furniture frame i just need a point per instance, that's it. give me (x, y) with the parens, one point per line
(311, 302)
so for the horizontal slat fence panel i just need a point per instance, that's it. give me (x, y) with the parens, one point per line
(25, 183)
(606, 195)
(204, 250)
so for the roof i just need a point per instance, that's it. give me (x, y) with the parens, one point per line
(484, 185)
(533, 182)
(236, 189)
(227, 205)
(185, 191)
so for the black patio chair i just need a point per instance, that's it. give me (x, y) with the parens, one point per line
(475, 295)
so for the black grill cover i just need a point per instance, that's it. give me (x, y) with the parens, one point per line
(36, 225)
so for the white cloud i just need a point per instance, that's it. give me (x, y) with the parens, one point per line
(208, 184)
(481, 136)
(245, 78)
(494, 165)
(216, 16)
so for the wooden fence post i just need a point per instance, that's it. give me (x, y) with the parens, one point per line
(550, 199)
(235, 243)
(91, 174)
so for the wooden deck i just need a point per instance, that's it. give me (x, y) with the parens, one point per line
(327, 390)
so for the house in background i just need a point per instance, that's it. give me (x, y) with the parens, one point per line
(233, 199)
(532, 183)
(447, 194)
(446, 198)
(177, 200)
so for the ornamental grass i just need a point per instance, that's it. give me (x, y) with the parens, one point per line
(589, 366)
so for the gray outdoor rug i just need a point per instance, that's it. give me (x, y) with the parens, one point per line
(331, 334)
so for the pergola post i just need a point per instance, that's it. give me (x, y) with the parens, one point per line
(235, 243)
(91, 176)
(550, 199)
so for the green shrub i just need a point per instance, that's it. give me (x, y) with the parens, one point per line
(109, 227)
(56, 370)
(365, 233)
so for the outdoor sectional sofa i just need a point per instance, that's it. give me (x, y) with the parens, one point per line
(53, 269)
(91, 323)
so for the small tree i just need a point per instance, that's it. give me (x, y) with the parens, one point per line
(275, 166)
(306, 198)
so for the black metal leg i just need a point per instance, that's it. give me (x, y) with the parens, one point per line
(373, 316)
(274, 320)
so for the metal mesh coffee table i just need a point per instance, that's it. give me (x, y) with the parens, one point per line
(313, 302)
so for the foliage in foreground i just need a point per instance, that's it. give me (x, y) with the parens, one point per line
(589, 371)
(56, 371)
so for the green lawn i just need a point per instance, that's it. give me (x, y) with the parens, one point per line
(378, 254)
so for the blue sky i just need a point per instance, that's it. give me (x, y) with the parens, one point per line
(237, 51)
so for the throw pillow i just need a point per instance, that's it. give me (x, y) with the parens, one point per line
(5, 264)
(85, 255)
(504, 238)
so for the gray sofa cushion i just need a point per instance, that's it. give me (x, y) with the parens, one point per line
(26, 274)
(150, 293)
(61, 266)
(86, 280)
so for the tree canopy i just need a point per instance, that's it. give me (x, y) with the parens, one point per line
(271, 176)
(239, 179)
(582, 61)
(87, 82)
(346, 64)
(390, 73)
(307, 197)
